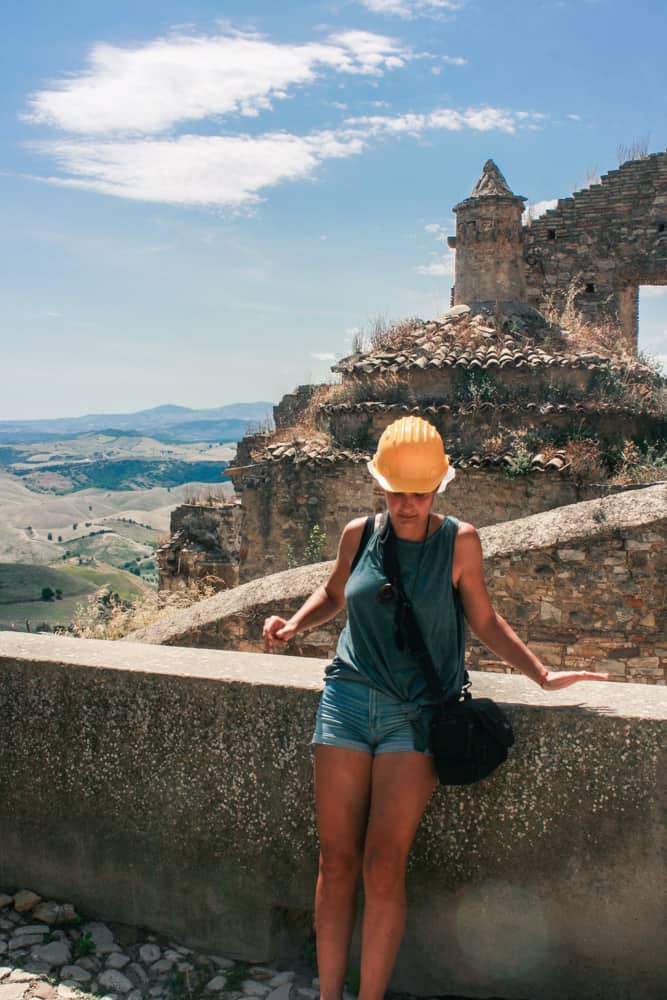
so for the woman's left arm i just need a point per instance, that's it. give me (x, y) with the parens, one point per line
(490, 627)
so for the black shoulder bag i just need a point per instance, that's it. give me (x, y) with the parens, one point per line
(470, 736)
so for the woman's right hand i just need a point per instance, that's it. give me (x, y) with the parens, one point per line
(277, 632)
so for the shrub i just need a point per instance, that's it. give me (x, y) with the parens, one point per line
(640, 463)
(520, 463)
(586, 460)
(476, 387)
(107, 616)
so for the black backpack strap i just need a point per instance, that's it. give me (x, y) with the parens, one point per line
(369, 528)
(405, 621)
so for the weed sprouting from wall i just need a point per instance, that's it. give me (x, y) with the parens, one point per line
(635, 150)
(520, 463)
(312, 550)
(474, 387)
(315, 544)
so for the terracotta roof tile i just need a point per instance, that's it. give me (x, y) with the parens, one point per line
(447, 343)
(318, 453)
(583, 408)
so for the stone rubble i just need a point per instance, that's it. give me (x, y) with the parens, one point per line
(49, 952)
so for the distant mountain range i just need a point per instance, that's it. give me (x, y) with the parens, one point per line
(171, 424)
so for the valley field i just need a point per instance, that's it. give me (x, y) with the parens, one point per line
(33, 596)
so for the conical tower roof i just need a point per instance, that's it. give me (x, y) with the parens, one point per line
(491, 183)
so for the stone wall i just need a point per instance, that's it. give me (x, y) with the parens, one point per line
(205, 545)
(584, 585)
(290, 409)
(282, 501)
(172, 789)
(466, 428)
(602, 243)
(422, 385)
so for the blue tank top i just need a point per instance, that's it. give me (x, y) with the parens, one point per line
(367, 650)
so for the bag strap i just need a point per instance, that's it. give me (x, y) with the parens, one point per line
(404, 617)
(369, 528)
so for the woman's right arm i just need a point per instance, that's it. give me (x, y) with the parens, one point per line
(326, 601)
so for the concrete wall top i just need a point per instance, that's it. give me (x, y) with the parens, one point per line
(630, 701)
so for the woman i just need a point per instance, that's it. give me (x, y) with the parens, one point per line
(374, 773)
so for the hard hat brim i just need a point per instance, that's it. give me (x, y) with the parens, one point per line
(386, 485)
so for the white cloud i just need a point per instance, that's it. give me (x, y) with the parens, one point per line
(323, 356)
(233, 170)
(574, 118)
(409, 9)
(123, 109)
(449, 61)
(150, 88)
(440, 267)
(195, 170)
(478, 119)
(538, 208)
(653, 291)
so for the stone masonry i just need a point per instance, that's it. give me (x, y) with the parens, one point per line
(489, 243)
(600, 244)
(529, 424)
(204, 546)
(584, 585)
(590, 253)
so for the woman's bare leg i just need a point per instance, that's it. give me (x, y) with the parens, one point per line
(402, 784)
(342, 795)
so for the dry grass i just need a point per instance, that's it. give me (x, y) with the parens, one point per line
(635, 150)
(393, 335)
(495, 444)
(606, 339)
(382, 334)
(106, 616)
(640, 465)
(586, 460)
(208, 496)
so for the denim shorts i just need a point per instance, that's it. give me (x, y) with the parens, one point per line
(357, 717)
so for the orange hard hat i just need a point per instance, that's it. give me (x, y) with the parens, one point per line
(410, 458)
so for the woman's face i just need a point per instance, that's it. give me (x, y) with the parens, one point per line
(407, 508)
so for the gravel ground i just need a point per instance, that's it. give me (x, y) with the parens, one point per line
(49, 951)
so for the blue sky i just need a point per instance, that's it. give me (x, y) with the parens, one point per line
(201, 201)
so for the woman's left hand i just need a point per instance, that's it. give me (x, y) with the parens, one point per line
(556, 679)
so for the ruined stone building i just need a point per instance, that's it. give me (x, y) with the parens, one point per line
(591, 252)
(535, 413)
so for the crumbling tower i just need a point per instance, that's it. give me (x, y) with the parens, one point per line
(489, 243)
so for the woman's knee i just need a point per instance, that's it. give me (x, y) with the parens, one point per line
(340, 864)
(384, 870)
